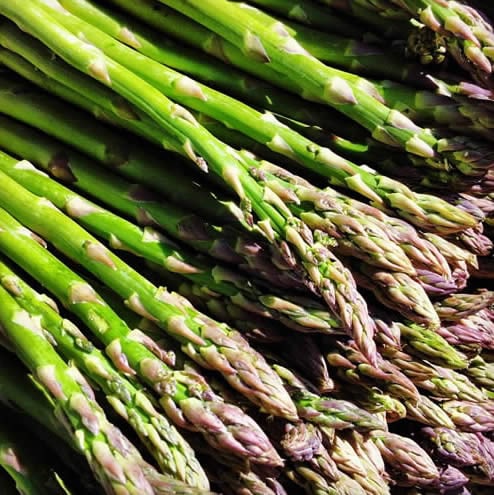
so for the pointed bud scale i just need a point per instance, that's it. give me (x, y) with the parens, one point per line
(339, 92)
(135, 304)
(456, 26)
(78, 207)
(80, 404)
(119, 359)
(188, 87)
(99, 71)
(111, 466)
(178, 326)
(478, 57)
(47, 376)
(419, 147)
(97, 252)
(428, 18)
(254, 48)
(129, 38)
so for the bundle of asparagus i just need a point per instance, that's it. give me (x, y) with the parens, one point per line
(206, 280)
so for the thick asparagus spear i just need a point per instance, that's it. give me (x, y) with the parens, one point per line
(170, 450)
(114, 464)
(182, 392)
(427, 211)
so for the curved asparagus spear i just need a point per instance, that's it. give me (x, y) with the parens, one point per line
(428, 212)
(460, 306)
(324, 270)
(113, 462)
(171, 451)
(185, 395)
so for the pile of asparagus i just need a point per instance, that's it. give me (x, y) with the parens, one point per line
(246, 248)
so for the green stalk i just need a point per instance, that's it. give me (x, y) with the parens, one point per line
(426, 211)
(325, 270)
(182, 393)
(148, 243)
(113, 464)
(171, 451)
(101, 143)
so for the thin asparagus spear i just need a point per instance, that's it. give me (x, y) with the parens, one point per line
(174, 456)
(113, 463)
(396, 196)
(481, 373)
(324, 269)
(182, 392)
(428, 412)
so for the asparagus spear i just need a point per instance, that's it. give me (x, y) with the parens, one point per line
(470, 416)
(407, 462)
(476, 329)
(182, 392)
(321, 266)
(113, 463)
(392, 194)
(459, 306)
(173, 454)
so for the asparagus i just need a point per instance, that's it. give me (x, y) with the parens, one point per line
(460, 306)
(174, 456)
(386, 188)
(182, 392)
(326, 411)
(481, 373)
(358, 467)
(407, 462)
(236, 23)
(470, 416)
(399, 292)
(428, 412)
(476, 329)
(299, 314)
(469, 452)
(339, 292)
(113, 463)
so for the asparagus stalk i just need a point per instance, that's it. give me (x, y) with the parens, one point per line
(321, 266)
(182, 392)
(174, 456)
(470, 416)
(114, 464)
(392, 194)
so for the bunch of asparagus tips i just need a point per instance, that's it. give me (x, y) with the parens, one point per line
(246, 248)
